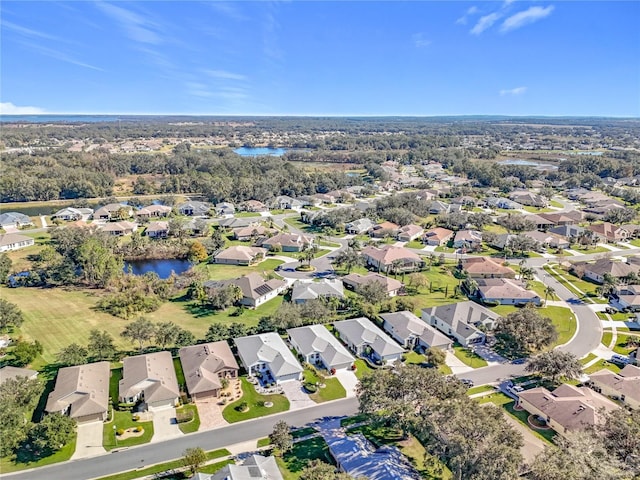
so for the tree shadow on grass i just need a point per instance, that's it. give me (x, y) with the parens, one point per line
(303, 452)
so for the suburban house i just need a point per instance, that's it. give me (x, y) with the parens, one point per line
(318, 346)
(460, 320)
(81, 392)
(437, 236)
(502, 203)
(413, 333)
(14, 219)
(385, 229)
(205, 366)
(149, 378)
(244, 234)
(505, 291)
(525, 197)
(255, 290)
(119, 229)
(237, 222)
(254, 467)
(289, 242)
(110, 210)
(485, 267)
(359, 458)
(267, 355)
(597, 270)
(628, 297)
(225, 208)
(467, 239)
(364, 339)
(540, 222)
(567, 408)
(438, 208)
(153, 211)
(572, 217)
(359, 227)
(464, 200)
(409, 232)
(354, 280)
(633, 231)
(194, 209)
(623, 386)
(570, 232)
(254, 206)
(304, 290)
(71, 214)
(241, 255)
(608, 232)
(8, 372)
(158, 229)
(324, 197)
(392, 259)
(15, 241)
(285, 202)
(550, 240)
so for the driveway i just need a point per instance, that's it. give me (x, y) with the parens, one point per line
(294, 391)
(348, 380)
(532, 444)
(89, 441)
(165, 425)
(210, 413)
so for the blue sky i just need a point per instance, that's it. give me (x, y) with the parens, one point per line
(321, 58)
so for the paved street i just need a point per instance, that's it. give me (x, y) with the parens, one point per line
(150, 454)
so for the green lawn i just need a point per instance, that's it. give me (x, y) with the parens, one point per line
(587, 251)
(333, 389)
(635, 242)
(620, 347)
(345, 422)
(303, 432)
(415, 244)
(295, 222)
(264, 442)
(246, 214)
(177, 366)
(194, 424)
(564, 320)
(481, 389)
(554, 203)
(522, 416)
(296, 459)
(497, 398)
(600, 365)
(163, 467)
(251, 397)
(468, 357)
(23, 461)
(570, 281)
(124, 420)
(362, 368)
(588, 358)
(213, 467)
(607, 336)
(225, 272)
(413, 358)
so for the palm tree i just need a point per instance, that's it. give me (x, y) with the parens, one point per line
(549, 291)
(471, 285)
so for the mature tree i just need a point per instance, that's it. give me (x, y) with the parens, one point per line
(24, 352)
(184, 338)
(373, 292)
(194, 458)
(101, 345)
(5, 267)
(197, 252)
(525, 331)
(13, 428)
(435, 356)
(577, 456)
(523, 243)
(217, 240)
(515, 222)
(216, 332)
(348, 258)
(281, 437)
(166, 334)
(177, 226)
(309, 254)
(237, 329)
(98, 263)
(72, 354)
(555, 365)
(140, 330)
(10, 315)
(53, 432)
(621, 434)
(22, 392)
(223, 297)
(319, 470)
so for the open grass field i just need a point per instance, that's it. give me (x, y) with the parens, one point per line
(252, 398)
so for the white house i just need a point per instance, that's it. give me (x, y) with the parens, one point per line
(363, 338)
(319, 347)
(267, 355)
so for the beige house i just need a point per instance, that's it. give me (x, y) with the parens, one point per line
(153, 211)
(409, 232)
(149, 378)
(111, 209)
(289, 242)
(241, 255)
(483, 267)
(390, 258)
(437, 236)
(14, 241)
(205, 367)
(157, 230)
(255, 290)
(247, 233)
(354, 280)
(624, 385)
(567, 408)
(119, 229)
(81, 392)
(608, 232)
(384, 229)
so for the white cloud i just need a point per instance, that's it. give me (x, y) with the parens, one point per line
(137, 27)
(525, 17)
(420, 41)
(8, 108)
(470, 11)
(59, 55)
(28, 32)
(513, 91)
(485, 22)
(225, 75)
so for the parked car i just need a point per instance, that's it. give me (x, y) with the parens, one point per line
(620, 359)
(516, 389)
(467, 382)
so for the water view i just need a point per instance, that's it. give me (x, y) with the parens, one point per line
(162, 267)
(527, 163)
(256, 151)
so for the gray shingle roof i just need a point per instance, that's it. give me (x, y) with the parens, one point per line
(202, 363)
(85, 388)
(153, 373)
(462, 316)
(361, 331)
(305, 290)
(316, 338)
(405, 324)
(268, 348)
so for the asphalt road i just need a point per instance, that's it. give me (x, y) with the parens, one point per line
(150, 454)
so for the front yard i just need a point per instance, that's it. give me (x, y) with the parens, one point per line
(332, 389)
(124, 420)
(192, 425)
(255, 404)
(468, 357)
(295, 460)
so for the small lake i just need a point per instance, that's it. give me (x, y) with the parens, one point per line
(254, 152)
(527, 163)
(162, 267)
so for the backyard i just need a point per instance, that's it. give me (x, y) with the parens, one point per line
(255, 404)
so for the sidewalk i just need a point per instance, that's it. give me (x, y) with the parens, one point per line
(457, 365)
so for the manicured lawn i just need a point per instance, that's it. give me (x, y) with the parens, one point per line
(588, 358)
(295, 222)
(177, 366)
(263, 442)
(246, 214)
(522, 416)
(635, 242)
(303, 432)
(481, 389)
(495, 398)
(124, 420)
(415, 244)
(345, 422)
(445, 369)
(194, 424)
(556, 204)
(618, 316)
(600, 365)
(225, 272)
(572, 282)
(24, 461)
(620, 347)
(296, 459)
(468, 357)
(214, 467)
(596, 249)
(413, 358)
(564, 320)
(607, 336)
(362, 368)
(114, 381)
(20, 259)
(332, 391)
(163, 467)
(251, 397)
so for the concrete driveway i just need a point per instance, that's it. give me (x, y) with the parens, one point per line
(210, 413)
(165, 425)
(294, 391)
(89, 441)
(348, 380)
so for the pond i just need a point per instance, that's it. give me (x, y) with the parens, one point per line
(527, 163)
(255, 151)
(162, 267)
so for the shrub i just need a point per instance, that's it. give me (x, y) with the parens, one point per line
(136, 418)
(310, 387)
(260, 403)
(184, 417)
(242, 407)
(120, 432)
(139, 429)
